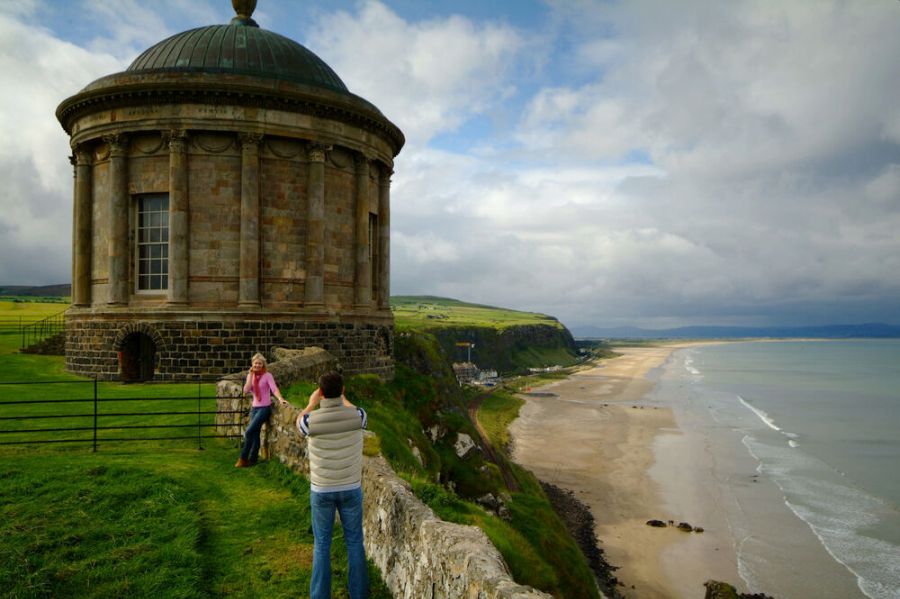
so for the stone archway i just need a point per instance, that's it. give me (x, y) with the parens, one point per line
(138, 346)
(137, 358)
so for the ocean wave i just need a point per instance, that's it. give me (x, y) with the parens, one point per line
(836, 513)
(689, 366)
(761, 414)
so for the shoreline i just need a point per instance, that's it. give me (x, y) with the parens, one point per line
(597, 434)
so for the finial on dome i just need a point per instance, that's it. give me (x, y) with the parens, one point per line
(243, 9)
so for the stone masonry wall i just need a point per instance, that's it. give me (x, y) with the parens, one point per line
(420, 556)
(188, 349)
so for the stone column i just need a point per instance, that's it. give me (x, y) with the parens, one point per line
(178, 218)
(315, 228)
(384, 239)
(363, 282)
(83, 225)
(74, 238)
(248, 293)
(118, 219)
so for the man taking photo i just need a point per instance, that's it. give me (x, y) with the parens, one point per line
(334, 444)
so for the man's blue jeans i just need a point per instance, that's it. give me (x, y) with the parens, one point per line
(258, 416)
(349, 504)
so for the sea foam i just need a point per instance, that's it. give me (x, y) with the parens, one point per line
(761, 414)
(836, 513)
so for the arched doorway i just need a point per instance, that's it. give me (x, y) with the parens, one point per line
(137, 358)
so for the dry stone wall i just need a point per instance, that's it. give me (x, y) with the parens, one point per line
(420, 556)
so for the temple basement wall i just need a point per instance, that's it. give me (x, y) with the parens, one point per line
(420, 556)
(194, 346)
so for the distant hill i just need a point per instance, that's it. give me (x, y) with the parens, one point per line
(62, 290)
(428, 311)
(491, 337)
(835, 331)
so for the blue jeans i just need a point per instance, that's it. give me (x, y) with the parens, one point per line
(350, 506)
(250, 450)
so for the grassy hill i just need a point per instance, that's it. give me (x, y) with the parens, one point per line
(45, 293)
(413, 312)
(509, 341)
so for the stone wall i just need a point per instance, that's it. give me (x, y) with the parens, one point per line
(419, 555)
(191, 345)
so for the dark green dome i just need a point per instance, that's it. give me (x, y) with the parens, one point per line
(240, 48)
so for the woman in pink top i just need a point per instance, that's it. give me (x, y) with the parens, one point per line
(262, 385)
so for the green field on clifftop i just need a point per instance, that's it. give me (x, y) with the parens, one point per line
(428, 312)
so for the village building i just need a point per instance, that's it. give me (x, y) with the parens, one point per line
(231, 194)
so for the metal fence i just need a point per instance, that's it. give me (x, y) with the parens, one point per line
(35, 332)
(81, 415)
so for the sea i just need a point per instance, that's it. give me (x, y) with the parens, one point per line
(804, 438)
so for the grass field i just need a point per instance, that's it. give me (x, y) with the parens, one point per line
(422, 312)
(148, 518)
(165, 519)
(13, 315)
(144, 523)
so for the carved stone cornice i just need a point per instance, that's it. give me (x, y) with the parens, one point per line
(119, 91)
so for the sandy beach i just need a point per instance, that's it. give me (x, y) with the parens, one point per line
(597, 434)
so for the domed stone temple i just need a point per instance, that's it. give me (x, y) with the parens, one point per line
(230, 195)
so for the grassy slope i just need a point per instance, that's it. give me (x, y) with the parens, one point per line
(146, 519)
(532, 539)
(219, 534)
(178, 523)
(423, 312)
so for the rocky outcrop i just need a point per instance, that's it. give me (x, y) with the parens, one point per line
(420, 556)
(423, 557)
(723, 590)
(580, 523)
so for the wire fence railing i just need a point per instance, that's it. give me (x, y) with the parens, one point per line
(53, 412)
(35, 332)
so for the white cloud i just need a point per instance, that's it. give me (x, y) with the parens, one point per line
(430, 76)
(669, 162)
(38, 71)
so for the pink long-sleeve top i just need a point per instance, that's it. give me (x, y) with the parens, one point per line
(267, 387)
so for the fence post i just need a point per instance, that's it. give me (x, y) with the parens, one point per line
(95, 413)
(199, 438)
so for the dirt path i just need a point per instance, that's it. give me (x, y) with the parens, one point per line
(489, 452)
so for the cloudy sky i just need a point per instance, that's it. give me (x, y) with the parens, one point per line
(649, 162)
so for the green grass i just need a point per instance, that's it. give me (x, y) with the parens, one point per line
(12, 314)
(37, 299)
(496, 413)
(146, 519)
(178, 523)
(426, 312)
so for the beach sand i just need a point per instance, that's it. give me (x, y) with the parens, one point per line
(596, 434)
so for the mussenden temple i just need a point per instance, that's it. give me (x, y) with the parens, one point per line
(230, 194)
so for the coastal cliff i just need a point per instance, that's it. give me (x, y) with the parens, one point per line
(509, 341)
(440, 495)
(513, 349)
(419, 554)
